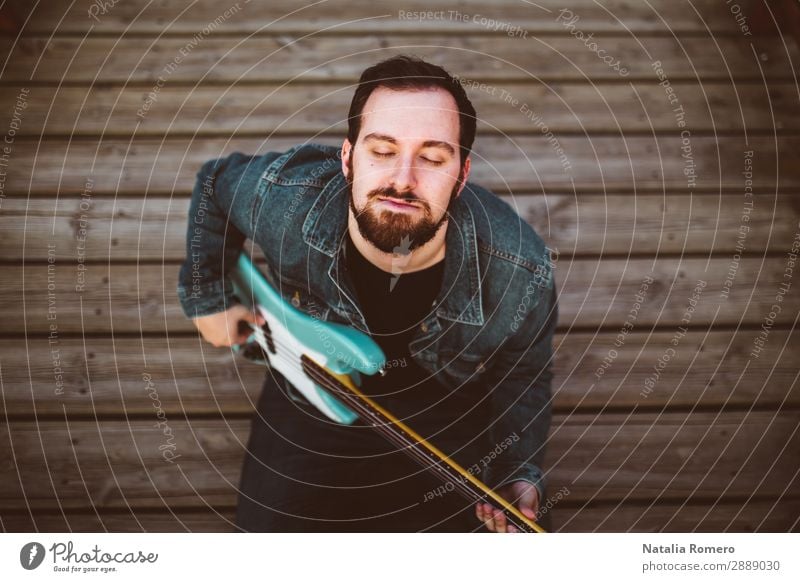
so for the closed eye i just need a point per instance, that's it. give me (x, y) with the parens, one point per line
(433, 162)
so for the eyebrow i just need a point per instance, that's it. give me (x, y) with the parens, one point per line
(431, 143)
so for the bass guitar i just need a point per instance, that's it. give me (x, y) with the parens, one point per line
(324, 360)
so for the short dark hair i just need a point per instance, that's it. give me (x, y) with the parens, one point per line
(407, 72)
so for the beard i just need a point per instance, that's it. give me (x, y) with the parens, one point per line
(396, 232)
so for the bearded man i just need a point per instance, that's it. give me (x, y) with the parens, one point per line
(387, 235)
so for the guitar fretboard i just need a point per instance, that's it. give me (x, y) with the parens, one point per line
(415, 446)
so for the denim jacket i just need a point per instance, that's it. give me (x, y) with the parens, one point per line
(494, 317)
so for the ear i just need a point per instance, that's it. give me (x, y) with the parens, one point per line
(347, 151)
(464, 175)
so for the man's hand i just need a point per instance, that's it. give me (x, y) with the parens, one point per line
(222, 329)
(527, 500)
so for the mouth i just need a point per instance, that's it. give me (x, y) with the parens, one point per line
(397, 204)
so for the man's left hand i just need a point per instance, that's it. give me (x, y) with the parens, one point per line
(523, 493)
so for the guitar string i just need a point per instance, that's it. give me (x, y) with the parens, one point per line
(411, 447)
(292, 358)
(429, 459)
(286, 346)
(398, 436)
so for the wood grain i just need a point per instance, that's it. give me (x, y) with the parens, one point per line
(186, 377)
(593, 293)
(743, 515)
(363, 15)
(111, 464)
(528, 163)
(154, 229)
(313, 108)
(225, 59)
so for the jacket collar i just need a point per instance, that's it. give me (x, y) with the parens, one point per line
(459, 299)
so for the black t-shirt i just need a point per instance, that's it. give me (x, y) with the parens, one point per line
(394, 307)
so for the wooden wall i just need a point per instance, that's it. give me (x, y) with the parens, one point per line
(95, 193)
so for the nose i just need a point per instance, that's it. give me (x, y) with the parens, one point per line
(403, 178)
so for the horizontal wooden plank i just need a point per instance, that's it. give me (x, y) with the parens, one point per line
(102, 376)
(592, 293)
(752, 515)
(182, 375)
(154, 228)
(342, 58)
(202, 520)
(605, 457)
(756, 515)
(607, 164)
(670, 455)
(366, 16)
(652, 224)
(147, 228)
(711, 368)
(322, 109)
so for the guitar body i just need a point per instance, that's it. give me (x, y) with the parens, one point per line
(290, 333)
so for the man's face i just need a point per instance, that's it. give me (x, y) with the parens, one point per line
(403, 171)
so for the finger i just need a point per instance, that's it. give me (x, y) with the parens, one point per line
(529, 513)
(499, 521)
(255, 318)
(243, 332)
(479, 511)
(531, 506)
(487, 517)
(511, 529)
(491, 522)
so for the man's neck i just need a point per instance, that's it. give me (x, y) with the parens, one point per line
(397, 263)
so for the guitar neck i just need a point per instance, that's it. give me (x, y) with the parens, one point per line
(414, 445)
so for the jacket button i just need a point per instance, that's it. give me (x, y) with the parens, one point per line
(480, 369)
(424, 327)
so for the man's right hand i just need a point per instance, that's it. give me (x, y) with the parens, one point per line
(222, 329)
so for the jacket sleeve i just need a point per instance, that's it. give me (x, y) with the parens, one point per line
(219, 221)
(521, 394)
